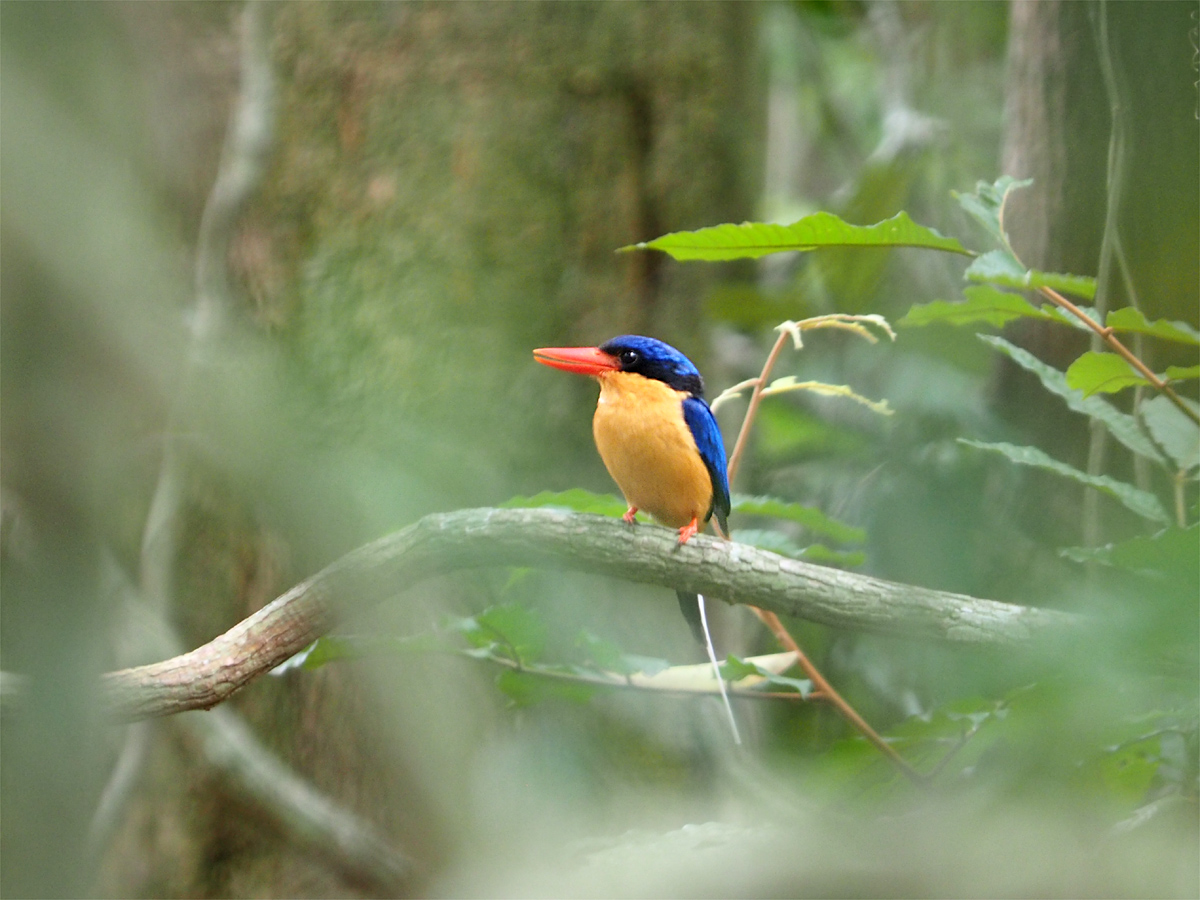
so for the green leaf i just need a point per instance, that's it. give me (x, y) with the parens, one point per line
(1172, 550)
(808, 516)
(997, 267)
(1175, 432)
(575, 499)
(987, 202)
(526, 688)
(517, 628)
(1107, 373)
(982, 304)
(608, 657)
(1121, 426)
(735, 669)
(751, 240)
(1182, 373)
(1001, 267)
(1144, 504)
(1130, 319)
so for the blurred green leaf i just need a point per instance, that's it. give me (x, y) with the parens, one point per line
(608, 657)
(1178, 435)
(527, 689)
(735, 669)
(1130, 319)
(1144, 504)
(1122, 426)
(575, 499)
(751, 240)
(1182, 373)
(982, 304)
(1107, 373)
(1170, 551)
(1002, 268)
(808, 516)
(518, 628)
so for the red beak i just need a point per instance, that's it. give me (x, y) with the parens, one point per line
(584, 360)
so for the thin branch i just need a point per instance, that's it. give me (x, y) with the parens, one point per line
(1111, 339)
(828, 693)
(550, 538)
(739, 448)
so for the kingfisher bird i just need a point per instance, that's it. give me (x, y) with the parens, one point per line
(656, 434)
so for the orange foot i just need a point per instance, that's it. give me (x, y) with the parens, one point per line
(688, 531)
(629, 514)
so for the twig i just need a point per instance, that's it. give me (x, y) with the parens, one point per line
(828, 693)
(771, 620)
(550, 538)
(739, 447)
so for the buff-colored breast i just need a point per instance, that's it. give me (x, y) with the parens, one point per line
(649, 450)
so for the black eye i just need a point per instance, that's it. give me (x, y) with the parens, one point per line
(629, 358)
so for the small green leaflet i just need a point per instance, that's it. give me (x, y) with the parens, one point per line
(527, 688)
(808, 516)
(514, 627)
(982, 304)
(1182, 373)
(1144, 504)
(985, 204)
(1102, 373)
(1130, 319)
(735, 669)
(751, 240)
(1001, 267)
(1122, 426)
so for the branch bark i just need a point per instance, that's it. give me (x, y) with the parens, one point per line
(555, 539)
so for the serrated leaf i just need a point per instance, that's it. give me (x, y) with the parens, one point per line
(1121, 426)
(575, 499)
(997, 267)
(1001, 267)
(1182, 373)
(751, 240)
(1144, 504)
(985, 204)
(1102, 373)
(982, 304)
(808, 516)
(1178, 435)
(1130, 319)
(516, 627)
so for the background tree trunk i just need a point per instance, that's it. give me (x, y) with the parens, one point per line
(1058, 133)
(448, 189)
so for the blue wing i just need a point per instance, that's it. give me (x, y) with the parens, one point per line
(707, 434)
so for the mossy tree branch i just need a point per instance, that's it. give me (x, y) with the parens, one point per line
(547, 538)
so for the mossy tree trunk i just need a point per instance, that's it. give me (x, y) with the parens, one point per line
(448, 189)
